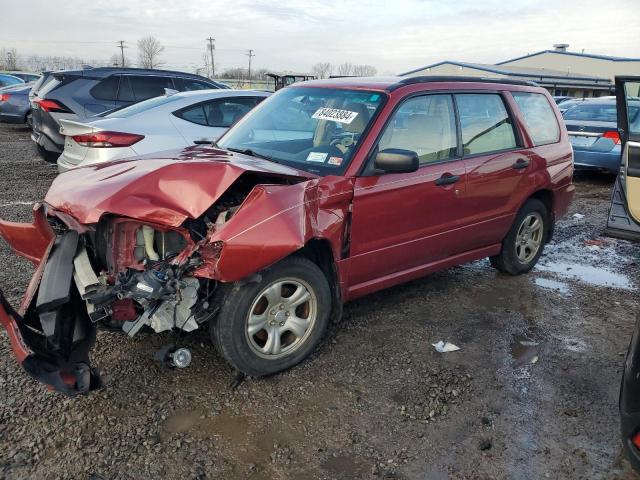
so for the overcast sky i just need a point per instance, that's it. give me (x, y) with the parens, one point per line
(392, 35)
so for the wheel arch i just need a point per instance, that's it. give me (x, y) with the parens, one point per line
(546, 197)
(320, 252)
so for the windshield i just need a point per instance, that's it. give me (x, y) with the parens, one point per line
(313, 129)
(136, 108)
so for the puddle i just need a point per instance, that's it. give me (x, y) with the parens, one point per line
(549, 284)
(588, 274)
(524, 351)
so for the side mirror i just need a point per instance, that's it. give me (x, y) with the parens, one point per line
(397, 160)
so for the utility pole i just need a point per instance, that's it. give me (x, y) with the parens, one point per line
(122, 47)
(250, 55)
(212, 48)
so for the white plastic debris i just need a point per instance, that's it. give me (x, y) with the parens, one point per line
(578, 216)
(443, 347)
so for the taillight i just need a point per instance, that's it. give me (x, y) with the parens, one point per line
(613, 135)
(52, 106)
(4, 97)
(636, 440)
(107, 139)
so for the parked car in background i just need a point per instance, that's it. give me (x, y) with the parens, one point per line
(560, 99)
(8, 80)
(593, 131)
(327, 191)
(76, 94)
(170, 121)
(26, 76)
(571, 102)
(14, 103)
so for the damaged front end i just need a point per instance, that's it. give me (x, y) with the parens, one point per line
(119, 274)
(49, 337)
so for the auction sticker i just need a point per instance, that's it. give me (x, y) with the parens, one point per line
(335, 115)
(335, 161)
(316, 157)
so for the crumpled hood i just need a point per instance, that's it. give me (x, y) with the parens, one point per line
(165, 188)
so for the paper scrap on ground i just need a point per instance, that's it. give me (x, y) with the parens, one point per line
(578, 216)
(444, 347)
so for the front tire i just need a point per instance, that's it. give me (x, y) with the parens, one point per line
(271, 325)
(523, 245)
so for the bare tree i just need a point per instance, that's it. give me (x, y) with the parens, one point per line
(364, 70)
(149, 50)
(345, 69)
(9, 59)
(322, 69)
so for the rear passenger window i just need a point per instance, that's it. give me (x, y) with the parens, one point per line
(194, 115)
(106, 89)
(486, 125)
(539, 117)
(125, 94)
(425, 125)
(222, 112)
(147, 87)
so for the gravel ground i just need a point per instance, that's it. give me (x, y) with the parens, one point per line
(531, 394)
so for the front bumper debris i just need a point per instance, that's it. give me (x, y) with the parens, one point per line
(49, 337)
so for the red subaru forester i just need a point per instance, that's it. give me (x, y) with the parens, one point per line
(327, 191)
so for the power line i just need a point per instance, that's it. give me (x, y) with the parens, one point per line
(250, 54)
(122, 47)
(212, 47)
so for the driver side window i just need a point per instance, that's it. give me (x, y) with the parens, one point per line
(425, 125)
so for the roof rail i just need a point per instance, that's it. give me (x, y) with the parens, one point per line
(454, 78)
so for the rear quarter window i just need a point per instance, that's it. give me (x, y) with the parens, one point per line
(187, 84)
(538, 116)
(149, 86)
(106, 89)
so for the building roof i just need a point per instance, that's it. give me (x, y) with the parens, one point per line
(587, 55)
(527, 72)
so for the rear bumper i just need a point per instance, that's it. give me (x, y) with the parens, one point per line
(6, 117)
(608, 162)
(94, 156)
(630, 399)
(48, 338)
(46, 143)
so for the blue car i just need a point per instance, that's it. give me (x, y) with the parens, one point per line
(14, 104)
(7, 80)
(593, 130)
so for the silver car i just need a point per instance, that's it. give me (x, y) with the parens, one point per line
(174, 120)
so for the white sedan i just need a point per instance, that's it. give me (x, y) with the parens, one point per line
(174, 120)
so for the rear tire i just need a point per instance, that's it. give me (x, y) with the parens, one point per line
(524, 243)
(271, 325)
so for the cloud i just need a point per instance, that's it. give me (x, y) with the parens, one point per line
(393, 36)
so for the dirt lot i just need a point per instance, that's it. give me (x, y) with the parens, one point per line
(375, 400)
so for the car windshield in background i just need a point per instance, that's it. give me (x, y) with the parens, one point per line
(313, 129)
(139, 107)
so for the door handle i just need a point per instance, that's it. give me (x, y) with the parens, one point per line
(447, 179)
(204, 141)
(521, 163)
